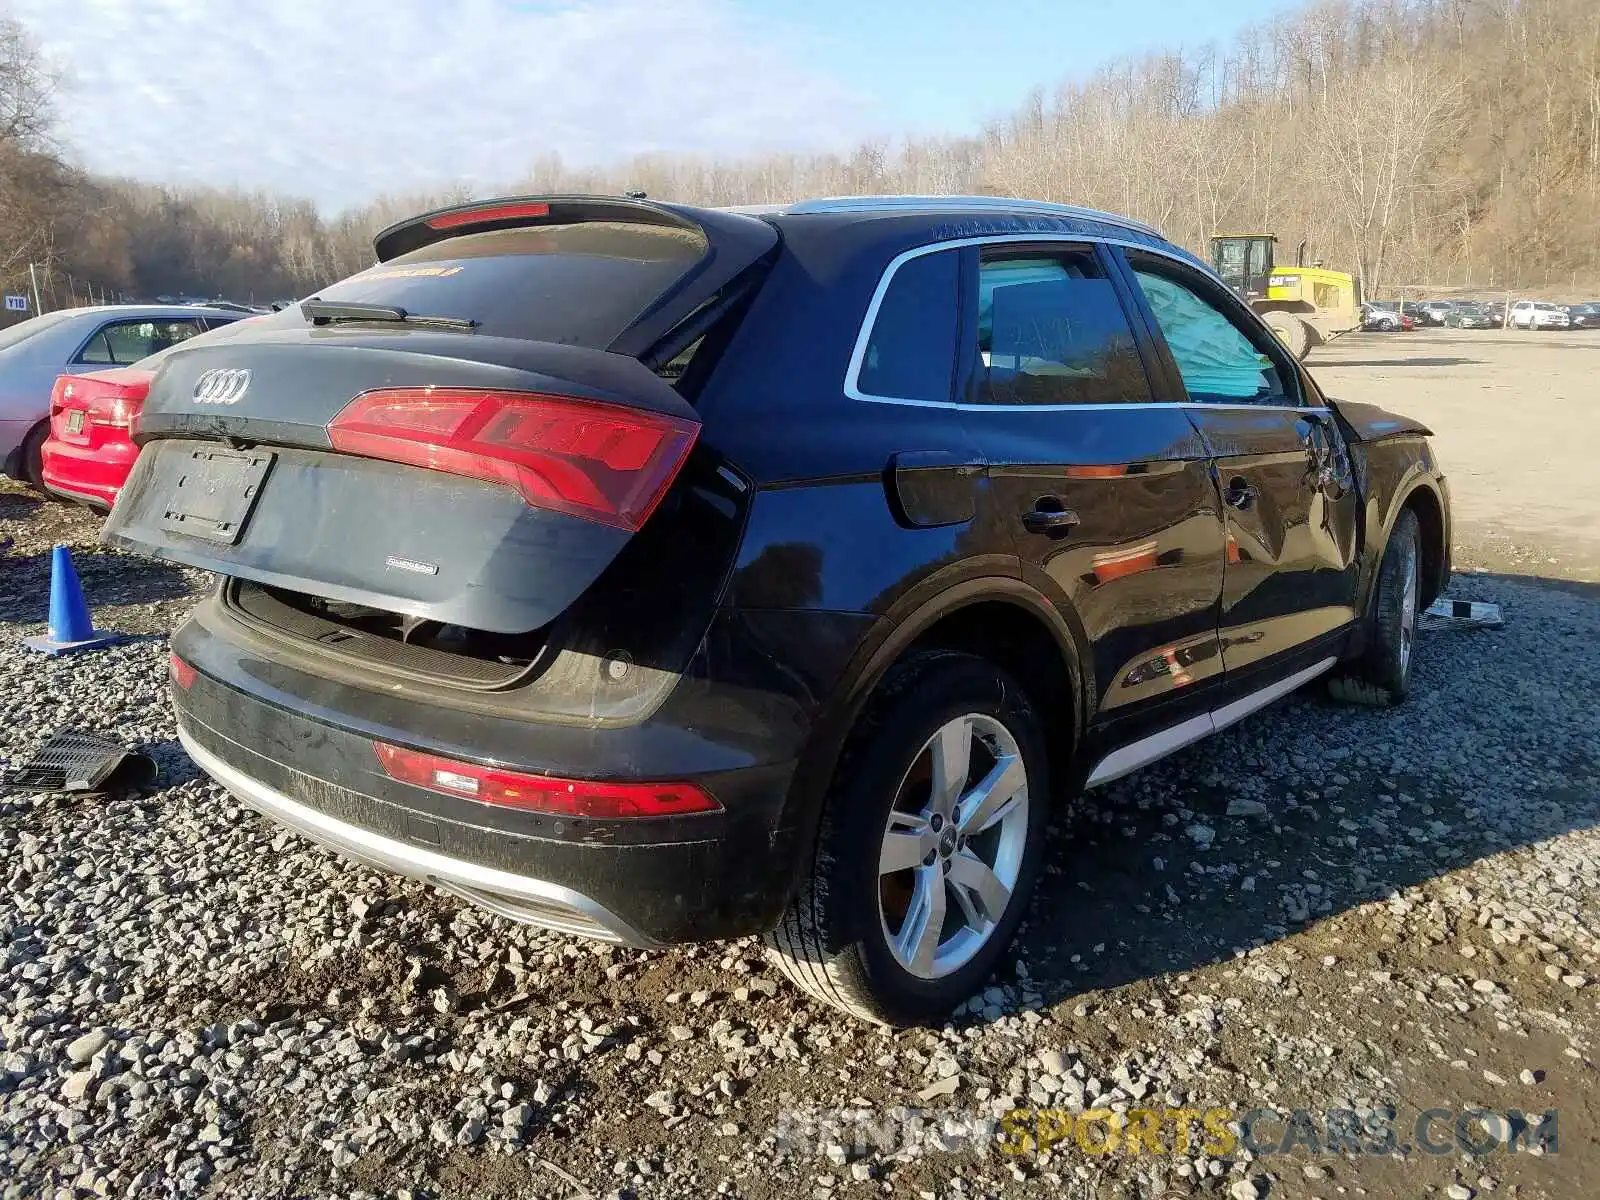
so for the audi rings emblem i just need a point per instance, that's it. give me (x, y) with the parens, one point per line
(222, 386)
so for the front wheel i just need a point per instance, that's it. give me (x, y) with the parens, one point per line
(1383, 674)
(929, 845)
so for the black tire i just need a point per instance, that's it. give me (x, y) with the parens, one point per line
(30, 458)
(1383, 674)
(834, 939)
(1294, 333)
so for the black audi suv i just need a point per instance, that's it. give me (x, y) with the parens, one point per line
(658, 573)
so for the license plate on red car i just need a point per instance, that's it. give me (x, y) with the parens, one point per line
(75, 421)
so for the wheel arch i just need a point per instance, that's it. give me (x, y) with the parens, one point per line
(15, 465)
(1424, 500)
(999, 617)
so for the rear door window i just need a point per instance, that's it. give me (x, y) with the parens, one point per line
(580, 284)
(1051, 330)
(120, 343)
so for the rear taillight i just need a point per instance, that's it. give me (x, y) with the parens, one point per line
(116, 411)
(602, 462)
(110, 402)
(182, 673)
(541, 793)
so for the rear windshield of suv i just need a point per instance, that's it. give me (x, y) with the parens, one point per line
(579, 284)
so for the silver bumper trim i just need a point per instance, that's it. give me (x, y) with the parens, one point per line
(516, 897)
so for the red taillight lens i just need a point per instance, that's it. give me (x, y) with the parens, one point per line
(112, 399)
(182, 673)
(492, 212)
(115, 411)
(541, 793)
(598, 461)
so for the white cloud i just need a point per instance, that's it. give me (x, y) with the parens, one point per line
(342, 99)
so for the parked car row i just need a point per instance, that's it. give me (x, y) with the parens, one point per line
(1481, 314)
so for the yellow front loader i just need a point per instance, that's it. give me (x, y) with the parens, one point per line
(1305, 306)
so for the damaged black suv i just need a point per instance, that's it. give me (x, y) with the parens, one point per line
(657, 573)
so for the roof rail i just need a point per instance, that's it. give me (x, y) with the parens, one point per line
(1006, 204)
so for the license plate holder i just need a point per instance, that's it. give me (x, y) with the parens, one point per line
(215, 494)
(75, 421)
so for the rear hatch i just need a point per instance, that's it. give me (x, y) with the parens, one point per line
(465, 435)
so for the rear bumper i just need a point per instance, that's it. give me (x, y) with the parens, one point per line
(89, 475)
(94, 499)
(519, 897)
(299, 748)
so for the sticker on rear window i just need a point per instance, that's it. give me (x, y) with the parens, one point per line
(411, 273)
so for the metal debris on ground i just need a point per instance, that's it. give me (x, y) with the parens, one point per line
(1462, 614)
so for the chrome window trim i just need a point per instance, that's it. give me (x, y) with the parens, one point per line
(858, 355)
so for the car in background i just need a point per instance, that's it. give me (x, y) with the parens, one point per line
(1585, 315)
(1539, 314)
(90, 449)
(1496, 311)
(1375, 318)
(779, 578)
(35, 352)
(1434, 312)
(1468, 316)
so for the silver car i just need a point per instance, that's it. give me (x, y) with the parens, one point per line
(34, 352)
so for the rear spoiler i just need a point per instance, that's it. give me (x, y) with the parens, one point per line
(512, 212)
(735, 243)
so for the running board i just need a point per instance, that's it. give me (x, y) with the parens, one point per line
(1162, 743)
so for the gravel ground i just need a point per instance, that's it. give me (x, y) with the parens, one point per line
(1325, 907)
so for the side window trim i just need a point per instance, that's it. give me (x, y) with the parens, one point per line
(1242, 316)
(1176, 259)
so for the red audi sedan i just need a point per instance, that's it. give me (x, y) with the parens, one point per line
(89, 452)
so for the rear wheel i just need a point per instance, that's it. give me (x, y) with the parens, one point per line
(31, 456)
(928, 848)
(1383, 675)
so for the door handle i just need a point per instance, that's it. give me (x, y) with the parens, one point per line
(1240, 494)
(1052, 522)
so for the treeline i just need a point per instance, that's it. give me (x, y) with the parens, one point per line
(1411, 141)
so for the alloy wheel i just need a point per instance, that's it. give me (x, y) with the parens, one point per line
(953, 846)
(1408, 609)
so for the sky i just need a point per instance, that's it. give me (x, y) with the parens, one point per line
(340, 100)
